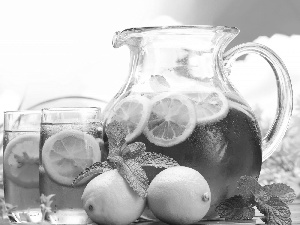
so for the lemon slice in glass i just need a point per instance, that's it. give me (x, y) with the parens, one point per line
(21, 160)
(211, 105)
(68, 153)
(134, 112)
(172, 119)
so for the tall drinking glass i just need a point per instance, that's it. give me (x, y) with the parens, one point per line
(70, 142)
(21, 165)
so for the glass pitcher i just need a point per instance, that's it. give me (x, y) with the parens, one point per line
(178, 100)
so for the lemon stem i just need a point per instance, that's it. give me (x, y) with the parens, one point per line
(205, 197)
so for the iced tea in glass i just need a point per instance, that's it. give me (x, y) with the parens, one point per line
(21, 165)
(70, 142)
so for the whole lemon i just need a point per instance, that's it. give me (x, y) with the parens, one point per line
(179, 195)
(108, 199)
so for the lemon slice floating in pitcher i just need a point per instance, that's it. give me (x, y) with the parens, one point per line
(134, 112)
(21, 160)
(68, 153)
(172, 119)
(211, 105)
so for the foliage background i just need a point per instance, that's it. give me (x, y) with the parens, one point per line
(284, 164)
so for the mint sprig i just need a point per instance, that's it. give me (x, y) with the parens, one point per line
(271, 200)
(128, 159)
(46, 202)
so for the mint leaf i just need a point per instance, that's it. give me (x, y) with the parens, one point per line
(46, 202)
(136, 177)
(116, 133)
(235, 208)
(156, 160)
(275, 211)
(262, 196)
(248, 187)
(133, 150)
(115, 160)
(96, 168)
(26, 159)
(159, 83)
(282, 191)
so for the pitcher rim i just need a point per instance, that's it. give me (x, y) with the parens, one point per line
(229, 29)
(120, 37)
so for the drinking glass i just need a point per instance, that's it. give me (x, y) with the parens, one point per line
(70, 142)
(21, 165)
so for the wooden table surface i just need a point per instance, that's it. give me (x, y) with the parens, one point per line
(294, 208)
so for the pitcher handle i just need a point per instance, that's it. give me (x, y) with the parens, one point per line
(284, 89)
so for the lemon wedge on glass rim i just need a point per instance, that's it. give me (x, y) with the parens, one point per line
(68, 153)
(21, 160)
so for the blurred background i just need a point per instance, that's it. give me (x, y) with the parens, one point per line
(58, 48)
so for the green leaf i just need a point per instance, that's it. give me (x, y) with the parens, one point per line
(133, 150)
(115, 160)
(136, 177)
(235, 208)
(262, 196)
(46, 202)
(282, 191)
(276, 212)
(159, 83)
(116, 133)
(248, 187)
(156, 160)
(96, 168)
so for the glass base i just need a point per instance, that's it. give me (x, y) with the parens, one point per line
(69, 216)
(29, 215)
